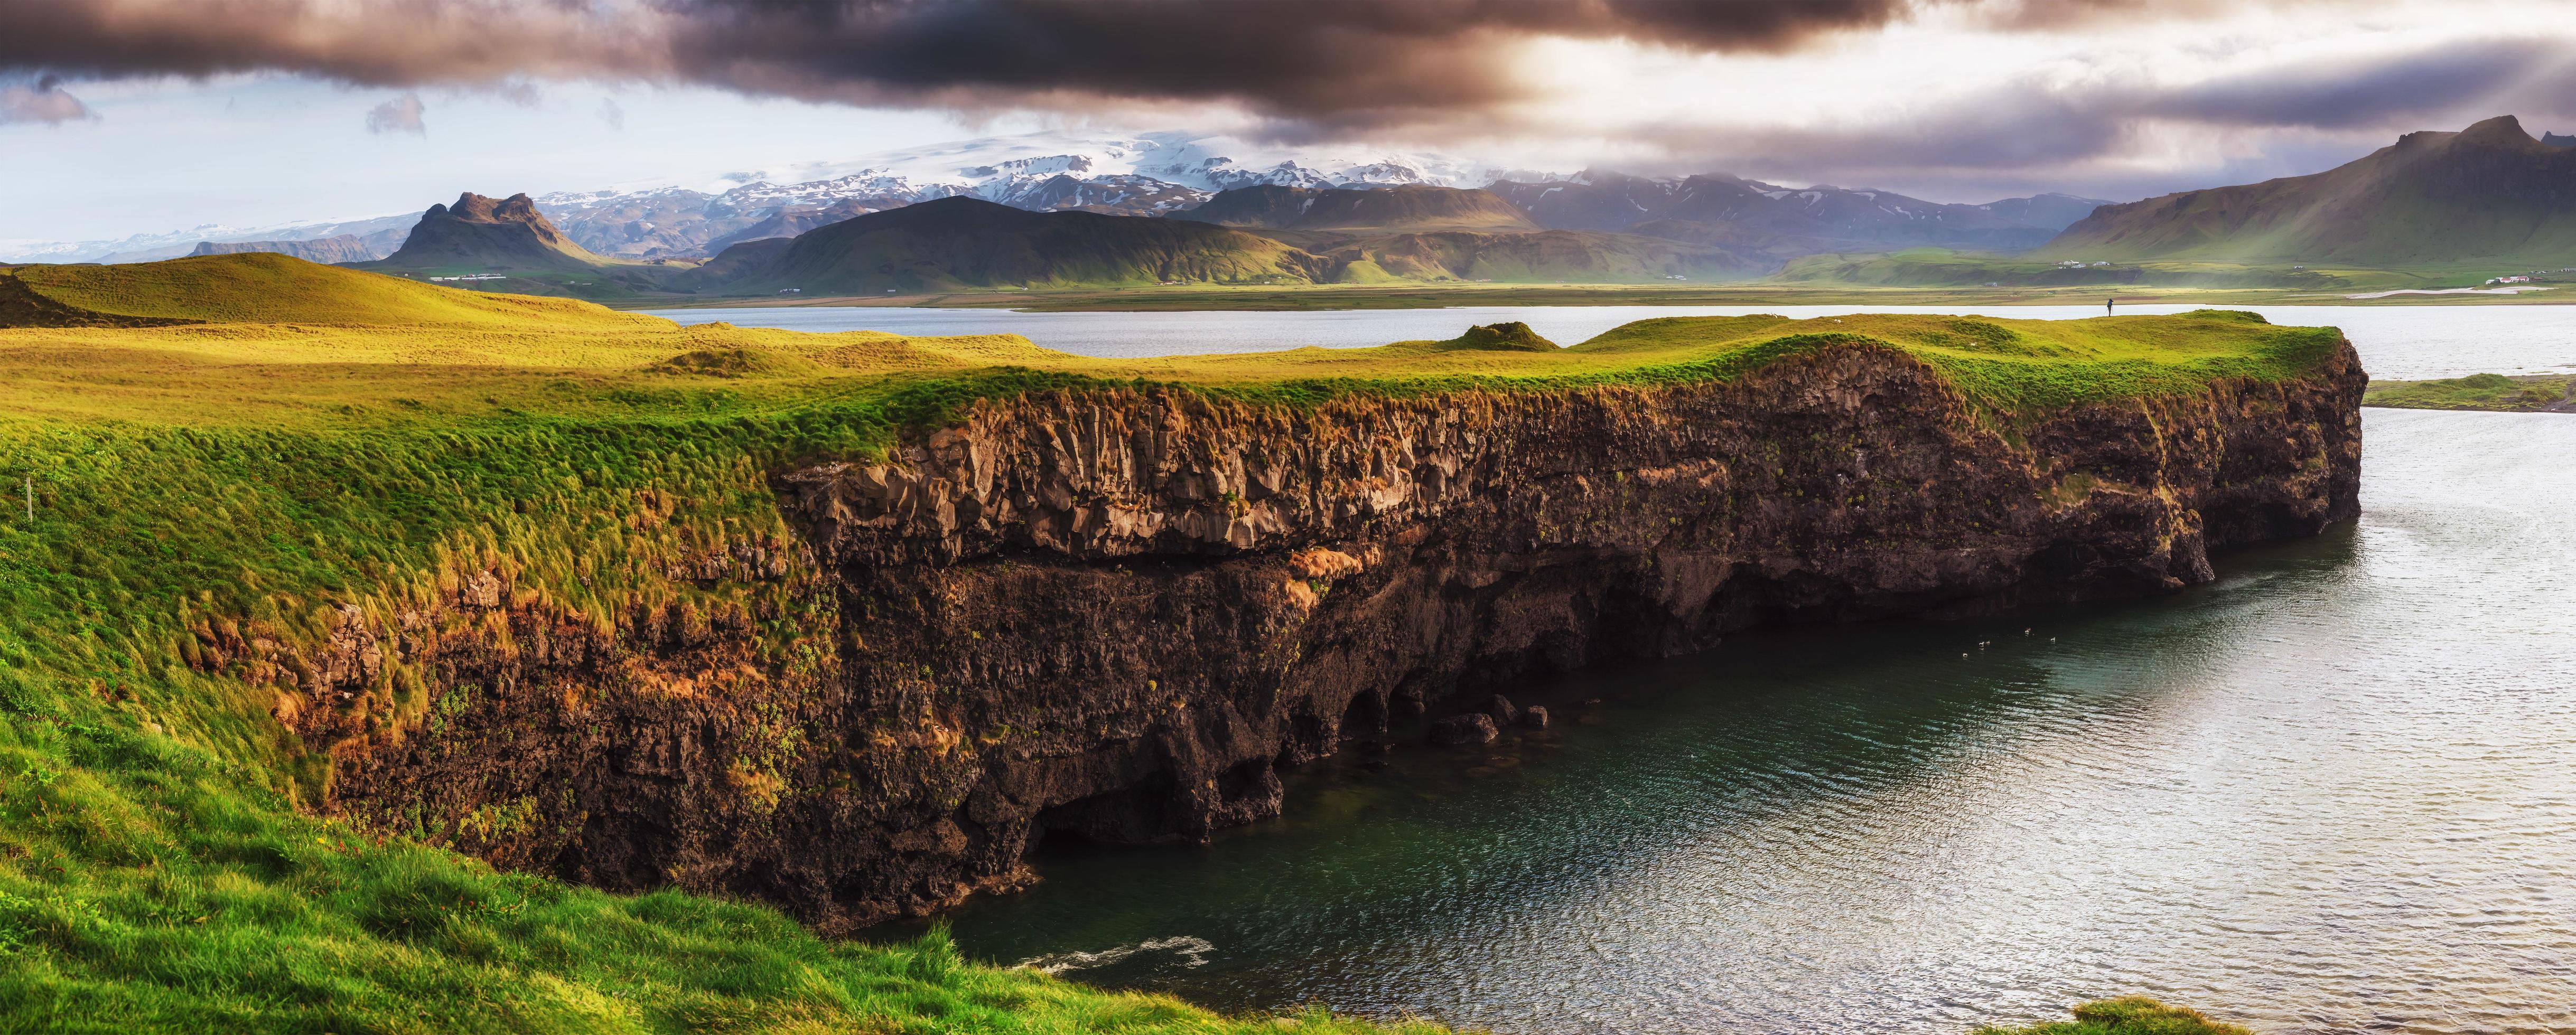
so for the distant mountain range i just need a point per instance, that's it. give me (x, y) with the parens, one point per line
(1420, 232)
(1147, 174)
(154, 247)
(332, 250)
(1777, 223)
(2488, 193)
(960, 242)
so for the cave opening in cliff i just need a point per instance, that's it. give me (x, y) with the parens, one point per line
(1138, 813)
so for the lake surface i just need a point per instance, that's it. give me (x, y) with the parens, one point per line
(2402, 342)
(2334, 791)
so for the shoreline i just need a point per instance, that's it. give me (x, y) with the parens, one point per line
(1415, 297)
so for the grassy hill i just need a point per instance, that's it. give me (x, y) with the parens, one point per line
(343, 440)
(2489, 194)
(263, 287)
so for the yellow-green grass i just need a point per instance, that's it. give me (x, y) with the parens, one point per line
(264, 288)
(155, 872)
(2131, 1015)
(2497, 392)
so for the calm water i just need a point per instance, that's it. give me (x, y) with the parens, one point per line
(2397, 341)
(2334, 791)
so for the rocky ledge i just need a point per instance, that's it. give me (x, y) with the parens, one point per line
(1117, 614)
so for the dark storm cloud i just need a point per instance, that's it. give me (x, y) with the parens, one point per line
(1429, 70)
(1344, 61)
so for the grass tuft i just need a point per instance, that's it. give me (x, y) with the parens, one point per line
(2129, 1015)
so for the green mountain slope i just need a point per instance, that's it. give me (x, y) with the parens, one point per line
(2489, 193)
(1386, 210)
(966, 243)
(957, 243)
(1542, 257)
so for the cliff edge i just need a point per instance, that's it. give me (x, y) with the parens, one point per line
(1118, 612)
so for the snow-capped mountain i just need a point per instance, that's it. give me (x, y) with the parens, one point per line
(1201, 161)
(1143, 174)
(1162, 173)
(1147, 174)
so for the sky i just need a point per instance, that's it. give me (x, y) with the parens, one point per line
(136, 116)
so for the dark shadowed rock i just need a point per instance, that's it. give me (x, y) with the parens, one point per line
(1471, 728)
(1534, 717)
(1502, 711)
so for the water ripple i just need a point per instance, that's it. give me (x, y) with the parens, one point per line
(2330, 793)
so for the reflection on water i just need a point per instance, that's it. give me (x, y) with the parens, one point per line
(2400, 342)
(2334, 791)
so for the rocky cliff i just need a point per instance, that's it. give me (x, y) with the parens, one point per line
(1118, 613)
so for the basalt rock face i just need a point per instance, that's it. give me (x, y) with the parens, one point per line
(1117, 614)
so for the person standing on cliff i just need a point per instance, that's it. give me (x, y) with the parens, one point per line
(2106, 304)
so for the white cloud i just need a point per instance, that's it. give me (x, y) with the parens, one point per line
(42, 101)
(400, 115)
(610, 114)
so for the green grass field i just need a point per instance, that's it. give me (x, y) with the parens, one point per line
(2528, 394)
(323, 438)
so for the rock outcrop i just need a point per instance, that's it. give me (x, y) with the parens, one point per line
(1117, 614)
(483, 233)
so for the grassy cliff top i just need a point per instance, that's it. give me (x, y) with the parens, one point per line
(281, 342)
(326, 439)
